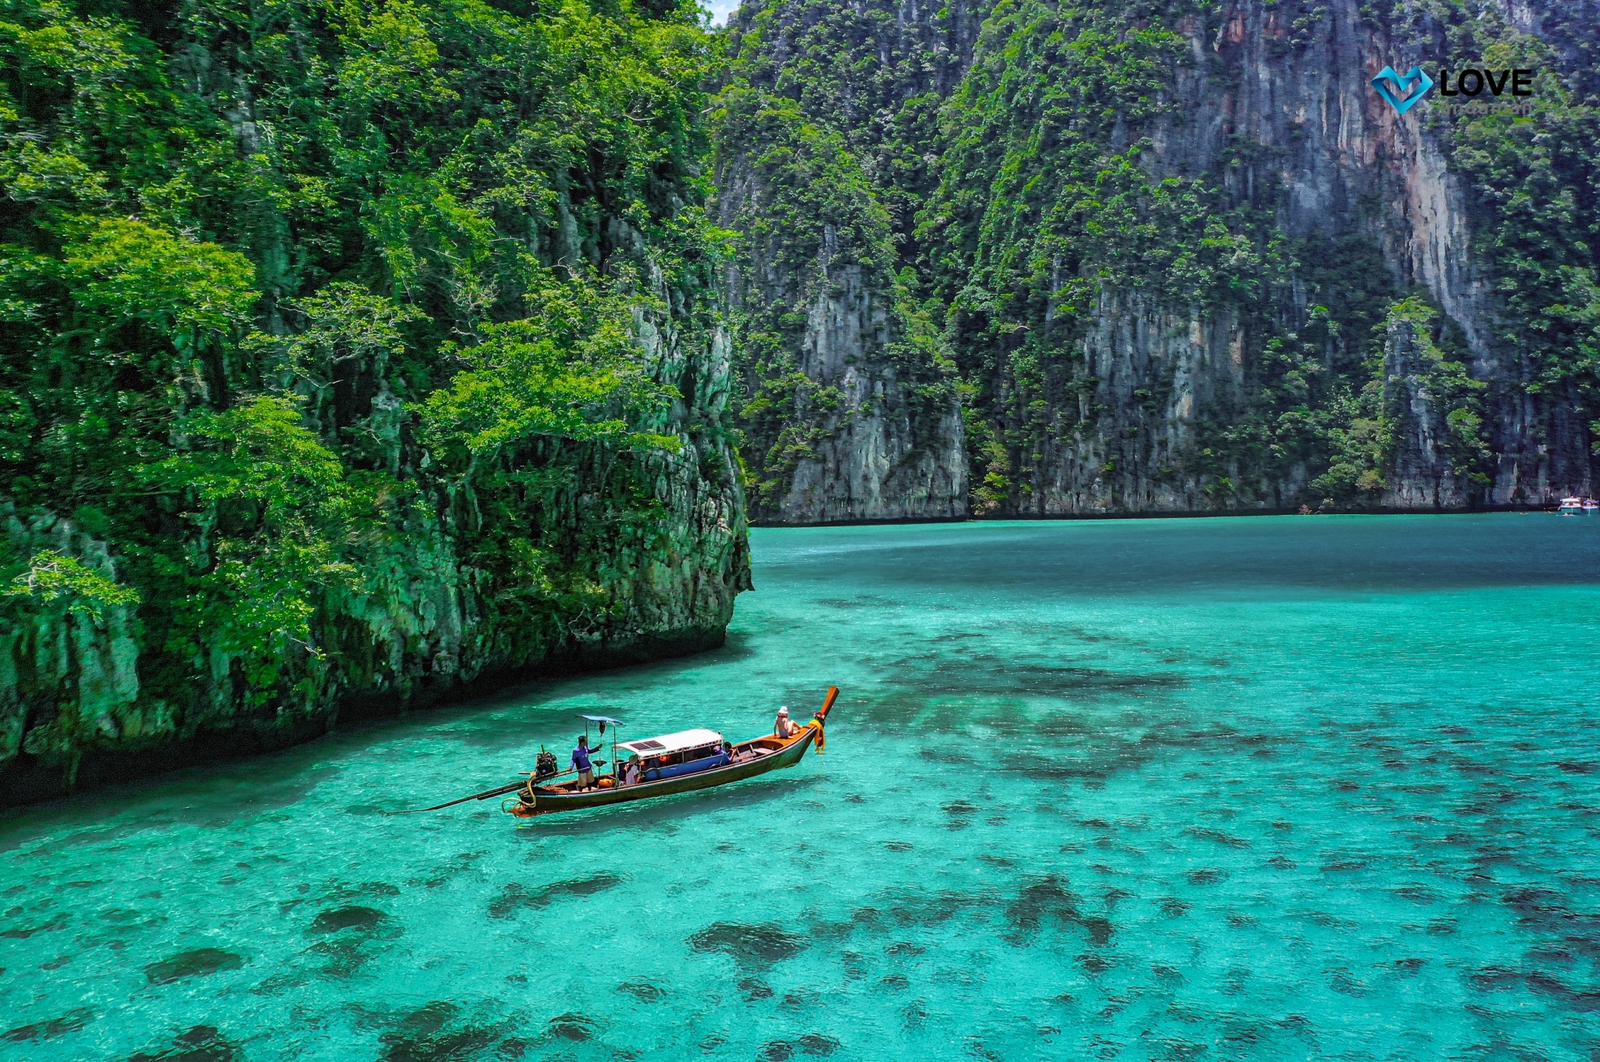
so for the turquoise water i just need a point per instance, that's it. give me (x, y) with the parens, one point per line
(1266, 788)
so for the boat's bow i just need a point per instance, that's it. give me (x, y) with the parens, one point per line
(821, 720)
(827, 705)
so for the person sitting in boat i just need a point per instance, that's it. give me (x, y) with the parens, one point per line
(785, 727)
(581, 761)
(630, 773)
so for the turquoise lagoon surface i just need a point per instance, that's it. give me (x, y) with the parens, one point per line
(1273, 788)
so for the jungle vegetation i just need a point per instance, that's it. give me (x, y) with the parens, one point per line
(296, 294)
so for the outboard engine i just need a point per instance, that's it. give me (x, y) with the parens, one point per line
(545, 766)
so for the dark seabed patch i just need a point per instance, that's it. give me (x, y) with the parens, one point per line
(958, 815)
(200, 962)
(575, 1028)
(341, 892)
(855, 965)
(1093, 964)
(434, 1032)
(940, 696)
(749, 945)
(980, 673)
(333, 920)
(1049, 901)
(1227, 840)
(846, 604)
(200, 1043)
(516, 897)
(1038, 902)
(643, 991)
(346, 953)
(1346, 983)
(1206, 876)
(911, 907)
(58, 922)
(818, 1045)
(1167, 975)
(1099, 756)
(71, 1021)
(801, 1000)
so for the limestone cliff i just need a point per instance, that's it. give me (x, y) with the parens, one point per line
(361, 358)
(1167, 244)
(851, 409)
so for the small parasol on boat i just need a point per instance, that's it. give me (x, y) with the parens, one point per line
(604, 721)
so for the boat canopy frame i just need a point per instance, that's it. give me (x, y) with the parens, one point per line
(671, 744)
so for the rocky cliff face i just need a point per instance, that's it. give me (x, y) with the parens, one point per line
(1168, 246)
(418, 393)
(851, 410)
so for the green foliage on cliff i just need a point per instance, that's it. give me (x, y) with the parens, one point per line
(299, 298)
(874, 77)
(817, 228)
(49, 576)
(1036, 208)
(1409, 371)
(569, 372)
(1533, 178)
(1053, 215)
(1158, 293)
(280, 512)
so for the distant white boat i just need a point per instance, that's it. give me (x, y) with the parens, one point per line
(1575, 505)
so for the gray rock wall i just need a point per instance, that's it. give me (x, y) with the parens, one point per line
(1155, 403)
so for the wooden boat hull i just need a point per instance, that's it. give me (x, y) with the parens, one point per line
(549, 801)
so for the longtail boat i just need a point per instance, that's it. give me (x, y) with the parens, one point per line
(670, 764)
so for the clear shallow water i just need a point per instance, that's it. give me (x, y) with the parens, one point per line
(1220, 788)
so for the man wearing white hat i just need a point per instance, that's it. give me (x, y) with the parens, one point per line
(785, 727)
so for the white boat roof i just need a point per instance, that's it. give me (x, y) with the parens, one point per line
(667, 744)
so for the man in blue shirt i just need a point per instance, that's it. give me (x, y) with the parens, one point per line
(580, 760)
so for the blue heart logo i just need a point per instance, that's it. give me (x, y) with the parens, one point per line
(1402, 91)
